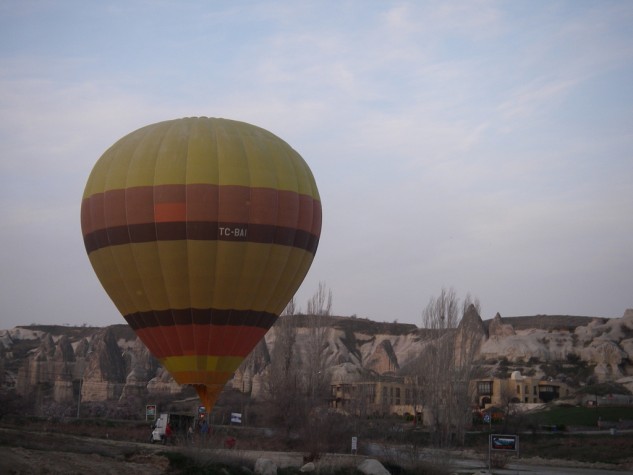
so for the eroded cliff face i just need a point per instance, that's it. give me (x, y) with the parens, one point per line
(104, 375)
(96, 364)
(603, 343)
(111, 363)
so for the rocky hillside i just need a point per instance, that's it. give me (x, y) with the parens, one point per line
(606, 345)
(105, 364)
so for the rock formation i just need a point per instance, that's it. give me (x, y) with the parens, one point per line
(383, 360)
(104, 376)
(140, 367)
(248, 377)
(499, 329)
(50, 366)
(111, 363)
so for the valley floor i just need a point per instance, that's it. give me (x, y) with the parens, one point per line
(43, 452)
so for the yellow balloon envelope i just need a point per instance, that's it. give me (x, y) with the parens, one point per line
(201, 230)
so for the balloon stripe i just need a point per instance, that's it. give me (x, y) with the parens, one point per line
(220, 317)
(225, 364)
(163, 203)
(202, 377)
(219, 338)
(201, 231)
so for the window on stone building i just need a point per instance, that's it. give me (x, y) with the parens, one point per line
(371, 397)
(484, 388)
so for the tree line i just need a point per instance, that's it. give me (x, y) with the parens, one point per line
(297, 387)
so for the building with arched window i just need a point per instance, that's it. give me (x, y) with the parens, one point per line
(518, 389)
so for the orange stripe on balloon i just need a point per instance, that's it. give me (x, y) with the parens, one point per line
(169, 212)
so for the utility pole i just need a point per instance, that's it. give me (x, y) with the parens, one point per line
(81, 384)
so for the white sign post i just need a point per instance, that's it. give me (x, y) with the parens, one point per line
(354, 445)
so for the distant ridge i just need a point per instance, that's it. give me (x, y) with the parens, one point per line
(352, 323)
(546, 322)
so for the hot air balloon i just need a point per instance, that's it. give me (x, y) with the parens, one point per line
(201, 230)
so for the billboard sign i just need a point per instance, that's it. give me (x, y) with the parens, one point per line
(507, 443)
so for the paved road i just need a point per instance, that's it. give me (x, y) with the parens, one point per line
(548, 470)
(518, 468)
(465, 464)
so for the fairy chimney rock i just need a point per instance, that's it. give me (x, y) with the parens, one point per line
(500, 329)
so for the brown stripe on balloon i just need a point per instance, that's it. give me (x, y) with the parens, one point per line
(197, 316)
(201, 231)
(200, 203)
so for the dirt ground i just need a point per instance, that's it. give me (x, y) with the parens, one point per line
(17, 460)
(24, 452)
(28, 451)
(40, 452)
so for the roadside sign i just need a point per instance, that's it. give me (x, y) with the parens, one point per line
(502, 443)
(150, 412)
(236, 417)
(507, 443)
(354, 444)
(487, 418)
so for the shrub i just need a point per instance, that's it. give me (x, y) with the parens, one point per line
(573, 358)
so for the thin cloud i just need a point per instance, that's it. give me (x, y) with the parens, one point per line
(534, 97)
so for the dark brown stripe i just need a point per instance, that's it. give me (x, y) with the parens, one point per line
(201, 231)
(196, 316)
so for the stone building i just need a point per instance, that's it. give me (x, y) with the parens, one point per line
(383, 395)
(518, 389)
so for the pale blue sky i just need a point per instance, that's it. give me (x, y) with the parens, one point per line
(482, 145)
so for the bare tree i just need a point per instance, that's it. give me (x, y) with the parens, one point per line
(320, 304)
(441, 317)
(292, 308)
(284, 349)
(442, 312)
(318, 313)
(448, 364)
(282, 384)
(467, 368)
